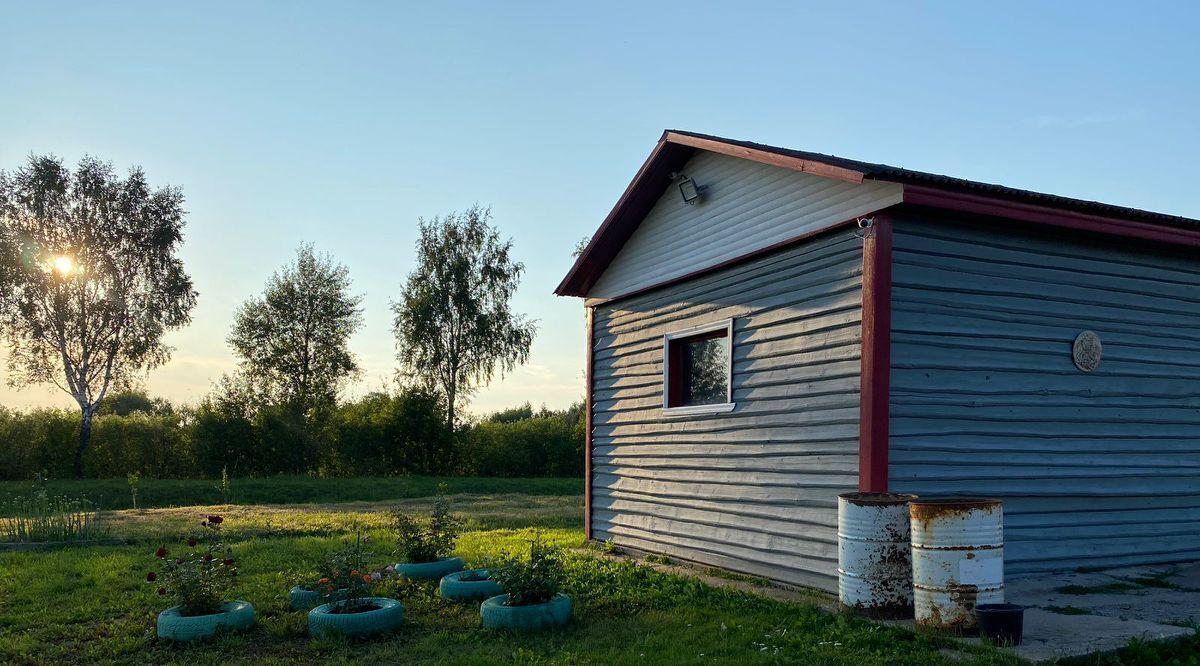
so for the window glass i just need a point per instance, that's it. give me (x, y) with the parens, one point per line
(705, 371)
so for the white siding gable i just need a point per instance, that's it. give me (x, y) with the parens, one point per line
(747, 206)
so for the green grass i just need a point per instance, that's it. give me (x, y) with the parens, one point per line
(153, 493)
(1067, 610)
(88, 604)
(91, 604)
(1180, 652)
(1106, 588)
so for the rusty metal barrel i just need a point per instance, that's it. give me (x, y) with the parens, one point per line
(874, 555)
(958, 561)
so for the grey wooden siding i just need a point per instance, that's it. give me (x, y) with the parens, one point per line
(1097, 469)
(752, 490)
(747, 206)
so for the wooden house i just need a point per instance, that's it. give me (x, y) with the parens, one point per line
(768, 328)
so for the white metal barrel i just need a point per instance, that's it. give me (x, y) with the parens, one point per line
(874, 556)
(958, 561)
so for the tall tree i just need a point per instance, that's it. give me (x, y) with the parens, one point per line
(295, 339)
(90, 278)
(453, 323)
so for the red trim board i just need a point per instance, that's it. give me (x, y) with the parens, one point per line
(587, 424)
(876, 356)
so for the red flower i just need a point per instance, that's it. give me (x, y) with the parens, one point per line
(162, 591)
(228, 562)
(192, 542)
(151, 577)
(208, 557)
(161, 552)
(215, 520)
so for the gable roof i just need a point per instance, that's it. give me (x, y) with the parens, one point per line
(676, 147)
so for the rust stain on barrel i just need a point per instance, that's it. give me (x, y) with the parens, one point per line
(927, 511)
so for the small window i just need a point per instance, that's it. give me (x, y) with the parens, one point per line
(697, 369)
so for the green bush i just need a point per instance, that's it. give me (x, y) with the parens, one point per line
(403, 433)
(547, 445)
(234, 430)
(37, 441)
(151, 446)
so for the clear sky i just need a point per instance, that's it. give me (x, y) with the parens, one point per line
(342, 123)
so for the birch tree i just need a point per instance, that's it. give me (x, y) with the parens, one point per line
(90, 278)
(454, 325)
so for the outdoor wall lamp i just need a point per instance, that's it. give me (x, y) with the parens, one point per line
(688, 188)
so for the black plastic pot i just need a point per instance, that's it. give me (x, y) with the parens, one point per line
(1001, 624)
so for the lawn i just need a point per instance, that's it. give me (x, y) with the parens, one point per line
(91, 604)
(152, 493)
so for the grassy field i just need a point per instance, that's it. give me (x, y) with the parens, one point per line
(153, 493)
(91, 604)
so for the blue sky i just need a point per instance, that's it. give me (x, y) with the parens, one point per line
(342, 123)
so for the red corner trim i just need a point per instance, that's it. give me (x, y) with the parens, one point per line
(876, 356)
(587, 430)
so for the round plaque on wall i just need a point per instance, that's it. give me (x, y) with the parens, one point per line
(1087, 351)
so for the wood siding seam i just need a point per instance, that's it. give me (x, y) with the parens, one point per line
(752, 490)
(1095, 469)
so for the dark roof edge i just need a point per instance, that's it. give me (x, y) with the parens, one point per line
(675, 147)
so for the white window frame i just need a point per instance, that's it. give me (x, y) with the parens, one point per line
(690, 410)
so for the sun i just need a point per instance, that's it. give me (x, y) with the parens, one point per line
(64, 265)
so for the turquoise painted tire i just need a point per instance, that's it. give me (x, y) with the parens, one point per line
(300, 599)
(388, 617)
(234, 616)
(430, 570)
(553, 613)
(454, 588)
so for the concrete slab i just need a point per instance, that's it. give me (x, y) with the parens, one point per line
(1051, 635)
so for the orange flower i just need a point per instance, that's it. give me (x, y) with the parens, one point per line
(366, 578)
(354, 572)
(323, 581)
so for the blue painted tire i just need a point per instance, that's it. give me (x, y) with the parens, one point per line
(234, 616)
(553, 613)
(454, 588)
(430, 570)
(300, 599)
(388, 617)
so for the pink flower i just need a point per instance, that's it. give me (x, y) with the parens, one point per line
(162, 591)
(375, 576)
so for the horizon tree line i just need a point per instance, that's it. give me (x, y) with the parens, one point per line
(91, 280)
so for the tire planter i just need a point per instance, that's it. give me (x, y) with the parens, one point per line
(454, 588)
(388, 617)
(234, 616)
(300, 599)
(430, 570)
(553, 613)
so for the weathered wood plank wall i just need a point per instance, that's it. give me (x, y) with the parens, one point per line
(753, 490)
(1095, 469)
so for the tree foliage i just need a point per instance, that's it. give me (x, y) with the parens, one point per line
(294, 340)
(90, 278)
(454, 324)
